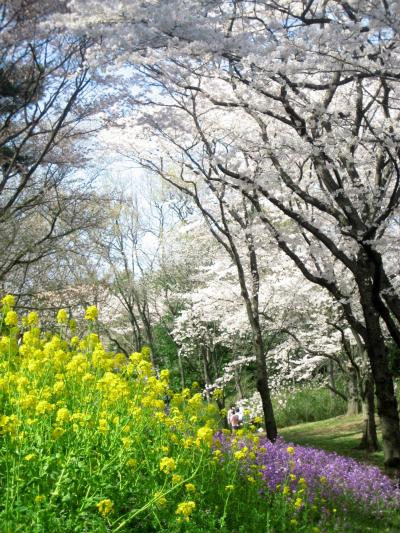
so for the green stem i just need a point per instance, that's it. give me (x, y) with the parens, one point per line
(155, 499)
(55, 491)
(228, 498)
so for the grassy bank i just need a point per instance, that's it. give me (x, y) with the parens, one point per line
(303, 404)
(341, 434)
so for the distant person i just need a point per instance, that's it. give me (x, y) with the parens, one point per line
(234, 420)
(229, 414)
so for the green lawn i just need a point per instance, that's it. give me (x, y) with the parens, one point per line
(341, 434)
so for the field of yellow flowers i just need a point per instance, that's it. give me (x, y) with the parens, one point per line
(87, 440)
(93, 441)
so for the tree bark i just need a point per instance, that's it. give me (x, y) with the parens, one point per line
(263, 388)
(331, 378)
(238, 384)
(206, 366)
(369, 440)
(353, 393)
(378, 357)
(181, 371)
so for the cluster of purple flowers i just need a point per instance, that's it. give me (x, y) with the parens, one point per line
(326, 475)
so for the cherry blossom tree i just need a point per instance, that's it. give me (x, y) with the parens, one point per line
(295, 104)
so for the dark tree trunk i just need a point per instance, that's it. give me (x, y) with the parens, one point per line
(378, 357)
(369, 440)
(263, 389)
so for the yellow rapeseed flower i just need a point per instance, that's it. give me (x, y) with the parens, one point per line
(9, 424)
(58, 387)
(204, 435)
(44, 407)
(190, 487)
(88, 377)
(8, 300)
(136, 357)
(132, 463)
(161, 500)
(103, 426)
(91, 313)
(32, 318)
(11, 319)
(74, 341)
(196, 400)
(57, 433)
(127, 442)
(290, 450)
(185, 509)
(146, 351)
(63, 415)
(217, 394)
(62, 316)
(105, 507)
(298, 503)
(188, 442)
(167, 465)
(164, 374)
(29, 457)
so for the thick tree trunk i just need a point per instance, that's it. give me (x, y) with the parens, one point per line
(263, 389)
(353, 393)
(378, 357)
(369, 440)
(387, 411)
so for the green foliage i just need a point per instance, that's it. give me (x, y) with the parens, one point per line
(306, 404)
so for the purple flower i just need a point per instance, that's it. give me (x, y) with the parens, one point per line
(320, 474)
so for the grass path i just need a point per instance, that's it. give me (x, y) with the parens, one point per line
(341, 434)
